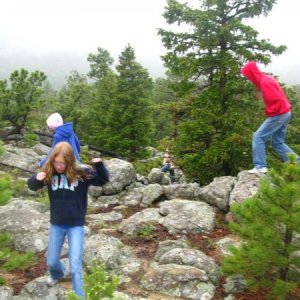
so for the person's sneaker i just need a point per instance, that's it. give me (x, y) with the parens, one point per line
(51, 282)
(263, 170)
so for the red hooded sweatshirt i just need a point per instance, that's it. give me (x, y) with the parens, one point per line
(276, 102)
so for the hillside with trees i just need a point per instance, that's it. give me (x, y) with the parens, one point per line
(204, 111)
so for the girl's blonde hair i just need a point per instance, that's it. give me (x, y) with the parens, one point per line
(72, 171)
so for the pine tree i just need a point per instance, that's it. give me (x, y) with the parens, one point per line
(21, 97)
(93, 124)
(269, 226)
(205, 57)
(162, 103)
(100, 63)
(95, 120)
(74, 100)
(129, 114)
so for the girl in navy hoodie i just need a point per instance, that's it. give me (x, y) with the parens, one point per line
(67, 184)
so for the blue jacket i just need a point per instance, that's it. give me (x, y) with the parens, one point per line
(64, 133)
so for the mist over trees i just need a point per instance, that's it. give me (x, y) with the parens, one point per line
(57, 66)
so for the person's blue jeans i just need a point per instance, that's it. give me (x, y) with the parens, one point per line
(167, 167)
(274, 129)
(75, 235)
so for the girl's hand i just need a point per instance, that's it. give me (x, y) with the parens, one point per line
(41, 176)
(96, 160)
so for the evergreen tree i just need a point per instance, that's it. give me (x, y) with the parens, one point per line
(162, 103)
(99, 63)
(95, 120)
(269, 226)
(293, 135)
(74, 100)
(220, 109)
(129, 114)
(93, 123)
(21, 97)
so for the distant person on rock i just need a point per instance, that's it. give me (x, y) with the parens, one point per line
(67, 183)
(63, 132)
(278, 112)
(168, 165)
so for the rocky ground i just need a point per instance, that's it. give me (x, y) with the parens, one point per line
(145, 248)
(117, 235)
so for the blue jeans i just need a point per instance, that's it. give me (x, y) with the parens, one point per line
(75, 235)
(274, 129)
(167, 167)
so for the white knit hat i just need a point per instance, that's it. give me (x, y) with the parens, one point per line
(54, 121)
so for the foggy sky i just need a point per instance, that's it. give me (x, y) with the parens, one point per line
(56, 36)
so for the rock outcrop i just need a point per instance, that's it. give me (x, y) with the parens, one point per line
(177, 269)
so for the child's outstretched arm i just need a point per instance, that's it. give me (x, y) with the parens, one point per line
(36, 181)
(101, 175)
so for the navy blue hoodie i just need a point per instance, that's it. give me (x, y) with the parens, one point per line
(68, 202)
(64, 133)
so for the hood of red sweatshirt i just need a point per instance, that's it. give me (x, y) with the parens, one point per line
(252, 72)
(274, 98)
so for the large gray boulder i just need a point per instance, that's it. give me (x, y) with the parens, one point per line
(245, 187)
(23, 158)
(157, 176)
(188, 191)
(121, 175)
(192, 257)
(178, 281)
(137, 222)
(37, 289)
(111, 252)
(186, 216)
(217, 193)
(27, 227)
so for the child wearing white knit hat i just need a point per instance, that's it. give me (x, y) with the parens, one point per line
(63, 132)
(54, 121)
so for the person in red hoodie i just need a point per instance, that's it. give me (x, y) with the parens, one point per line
(278, 113)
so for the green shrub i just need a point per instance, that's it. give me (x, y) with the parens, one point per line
(19, 261)
(144, 168)
(11, 260)
(18, 187)
(97, 284)
(5, 189)
(2, 150)
(4, 253)
(5, 239)
(146, 231)
(31, 139)
(268, 223)
(15, 172)
(2, 281)
(10, 187)
(5, 242)
(85, 155)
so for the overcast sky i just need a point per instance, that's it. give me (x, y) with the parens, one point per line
(78, 27)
